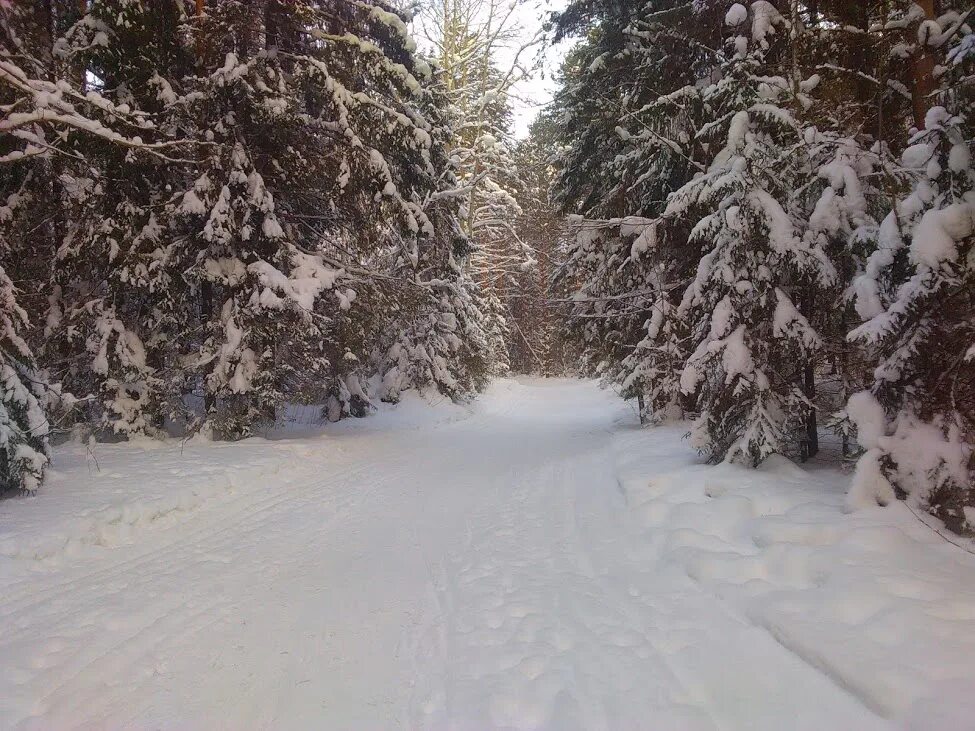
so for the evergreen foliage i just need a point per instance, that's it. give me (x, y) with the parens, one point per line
(769, 212)
(759, 215)
(253, 205)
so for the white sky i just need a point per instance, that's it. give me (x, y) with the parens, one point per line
(535, 92)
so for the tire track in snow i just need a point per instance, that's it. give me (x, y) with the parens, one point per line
(560, 615)
(688, 708)
(234, 513)
(92, 594)
(184, 549)
(489, 562)
(534, 628)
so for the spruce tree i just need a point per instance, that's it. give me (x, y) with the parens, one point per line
(916, 422)
(751, 341)
(62, 133)
(623, 150)
(438, 339)
(277, 255)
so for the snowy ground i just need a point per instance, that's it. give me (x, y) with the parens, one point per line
(535, 561)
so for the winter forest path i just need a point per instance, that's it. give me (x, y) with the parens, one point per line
(485, 571)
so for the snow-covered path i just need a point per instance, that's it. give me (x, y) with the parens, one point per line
(492, 569)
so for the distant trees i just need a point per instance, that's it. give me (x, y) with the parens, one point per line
(536, 310)
(212, 209)
(771, 213)
(468, 38)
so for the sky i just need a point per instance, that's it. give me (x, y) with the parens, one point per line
(535, 92)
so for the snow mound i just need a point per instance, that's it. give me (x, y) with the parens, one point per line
(107, 507)
(736, 15)
(875, 600)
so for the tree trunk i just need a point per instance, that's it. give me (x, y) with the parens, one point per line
(272, 28)
(543, 288)
(206, 312)
(200, 47)
(812, 428)
(924, 82)
(844, 373)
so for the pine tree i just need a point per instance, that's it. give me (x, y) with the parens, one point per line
(438, 340)
(56, 132)
(106, 306)
(65, 134)
(24, 427)
(765, 176)
(467, 36)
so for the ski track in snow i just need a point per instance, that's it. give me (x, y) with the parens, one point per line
(535, 563)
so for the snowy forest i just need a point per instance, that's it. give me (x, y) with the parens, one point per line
(758, 216)
(487, 364)
(771, 228)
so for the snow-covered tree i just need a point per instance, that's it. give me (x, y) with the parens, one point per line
(284, 249)
(468, 38)
(31, 106)
(751, 338)
(534, 310)
(710, 166)
(839, 207)
(917, 422)
(624, 148)
(437, 338)
(24, 427)
(610, 300)
(55, 134)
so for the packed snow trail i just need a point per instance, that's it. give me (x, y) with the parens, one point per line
(454, 570)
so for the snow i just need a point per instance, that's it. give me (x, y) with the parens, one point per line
(922, 448)
(787, 320)
(917, 156)
(535, 560)
(866, 412)
(736, 15)
(305, 283)
(870, 486)
(959, 158)
(766, 17)
(937, 235)
(736, 356)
